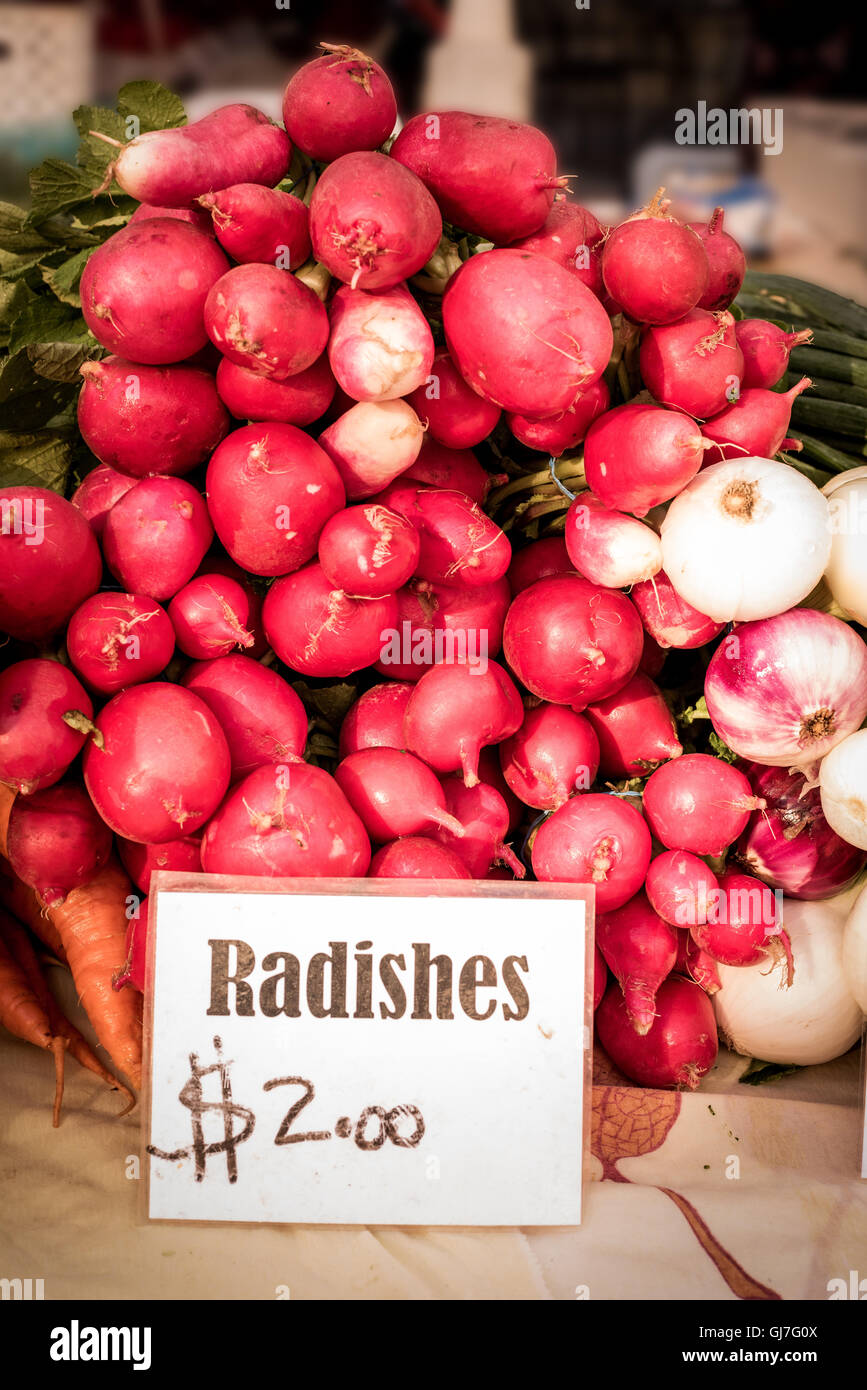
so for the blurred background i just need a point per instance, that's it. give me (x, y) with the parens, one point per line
(605, 78)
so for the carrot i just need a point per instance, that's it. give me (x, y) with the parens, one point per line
(23, 1015)
(7, 796)
(12, 892)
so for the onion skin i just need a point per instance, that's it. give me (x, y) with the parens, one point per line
(855, 949)
(843, 781)
(680, 1047)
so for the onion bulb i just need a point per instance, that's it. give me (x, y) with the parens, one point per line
(855, 949)
(843, 786)
(846, 575)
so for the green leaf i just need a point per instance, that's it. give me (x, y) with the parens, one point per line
(721, 749)
(45, 320)
(13, 267)
(110, 212)
(28, 400)
(329, 702)
(692, 712)
(64, 279)
(153, 106)
(39, 459)
(94, 154)
(14, 297)
(56, 186)
(58, 361)
(16, 234)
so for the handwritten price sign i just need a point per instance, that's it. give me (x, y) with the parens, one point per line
(353, 1052)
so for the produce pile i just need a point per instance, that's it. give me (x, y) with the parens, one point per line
(376, 511)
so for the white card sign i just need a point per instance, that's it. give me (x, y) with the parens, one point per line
(364, 1054)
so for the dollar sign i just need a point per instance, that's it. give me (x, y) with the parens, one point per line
(190, 1095)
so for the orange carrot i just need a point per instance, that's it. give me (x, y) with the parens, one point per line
(7, 796)
(13, 891)
(23, 1015)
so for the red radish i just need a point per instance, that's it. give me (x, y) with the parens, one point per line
(459, 543)
(755, 426)
(698, 803)
(133, 971)
(271, 489)
(696, 964)
(254, 223)
(637, 456)
(144, 420)
(380, 346)
(694, 364)
(609, 548)
(394, 794)
(299, 400)
(290, 821)
(416, 856)
(680, 1048)
(56, 841)
(524, 333)
(727, 263)
(572, 642)
(439, 622)
(156, 536)
(454, 414)
(490, 176)
(411, 648)
(652, 657)
(742, 924)
(318, 630)
(538, 560)
(49, 562)
(115, 640)
(210, 616)
(372, 444)
(654, 267)
(162, 765)
(143, 291)
(669, 619)
(571, 236)
(97, 493)
(194, 216)
(680, 888)
(140, 861)
(552, 755)
(600, 977)
(597, 839)
(766, 350)
(635, 728)
(640, 949)
(339, 103)
(215, 563)
(368, 551)
(455, 469)
(372, 222)
(264, 319)
(455, 710)
(491, 774)
(565, 431)
(484, 820)
(36, 742)
(261, 716)
(376, 718)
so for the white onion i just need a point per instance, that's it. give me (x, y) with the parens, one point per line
(818, 1018)
(846, 575)
(746, 539)
(843, 785)
(855, 949)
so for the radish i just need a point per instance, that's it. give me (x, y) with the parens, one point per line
(156, 536)
(483, 817)
(571, 236)
(210, 616)
(600, 977)
(290, 821)
(458, 470)
(609, 548)
(234, 144)
(524, 333)
(654, 267)
(652, 657)
(416, 856)
(265, 320)
(491, 774)
(380, 346)
(161, 766)
(196, 217)
(766, 350)
(538, 560)
(742, 924)
(299, 400)
(254, 223)
(394, 794)
(681, 888)
(271, 489)
(56, 841)
(727, 264)
(144, 420)
(261, 716)
(215, 563)
(755, 426)
(694, 364)
(454, 414)
(490, 176)
(455, 710)
(637, 456)
(372, 222)
(552, 755)
(635, 729)
(681, 1046)
(376, 718)
(565, 431)
(318, 630)
(339, 103)
(368, 551)
(97, 493)
(572, 642)
(143, 291)
(640, 949)
(668, 618)
(459, 543)
(115, 640)
(698, 803)
(439, 622)
(37, 742)
(372, 444)
(596, 839)
(140, 861)
(49, 562)
(695, 964)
